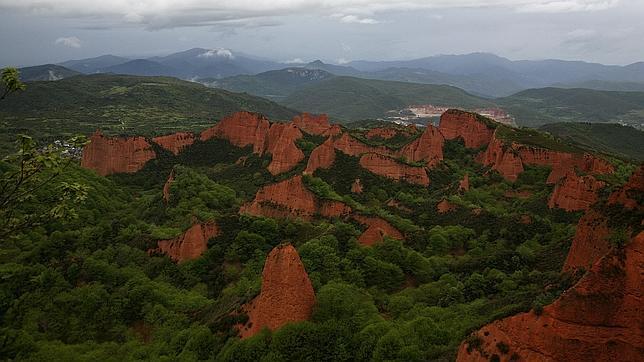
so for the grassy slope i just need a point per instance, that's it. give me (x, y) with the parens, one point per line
(535, 107)
(348, 98)
(120, 104)
(621, 141)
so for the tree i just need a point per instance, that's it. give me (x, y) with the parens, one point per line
(10, 79)
(31, 192)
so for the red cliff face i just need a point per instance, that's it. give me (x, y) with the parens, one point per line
(316, 124)
(386, 133)
(278, 139)
(108, 156)
(291, 199)
(377, 229)
(464, 184)
(166, 187)
(599, 319)
(286, 296)
(175, 142)
(356, 186)
(590, 242)
(628, 195)
(280, 143)
(191, 244)
(390, 168)
(241, 129)
(322, 156)
(508, 160)
(353, 147)
(445, 206)
(575, 193)
(428, 147)
(502, 159)
(459, 124)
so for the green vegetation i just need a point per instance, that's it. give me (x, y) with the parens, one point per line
(119, 104)
(352, 99)
(613, 139)
(532, 137)
(536, 107)
(81, 280)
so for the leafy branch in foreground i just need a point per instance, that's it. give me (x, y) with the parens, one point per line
(10, 79)
(30, 193)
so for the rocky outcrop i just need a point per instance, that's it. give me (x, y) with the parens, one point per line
(509, 159)
(390, 168)
(353, 147)
(278, 139)
(166, 187)
(280, 143)
(189, 245)
(464, 184)
(107, 155)
(466, 125)
(377, 229)
(575, 193)
(175, 142)
(356, 186)
(599, 319)
(502, 159)
(322, 156)
(241, 129)
(386, 133)
(316, 124)
(445, 206)
(590, 242)
(286, 296)
(291, 199)
(631, 194)
(428, 147)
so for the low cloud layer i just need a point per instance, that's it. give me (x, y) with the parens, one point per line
(159, 14)
(70, 42)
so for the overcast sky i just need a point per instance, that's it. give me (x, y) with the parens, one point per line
(48, 31)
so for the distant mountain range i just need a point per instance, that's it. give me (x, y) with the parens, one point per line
(481, 74)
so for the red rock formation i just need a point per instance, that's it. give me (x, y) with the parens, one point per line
(356, 186)
(377, 229)
(286, 296)
(334, 130)
(108, 156)
(428, 147)
(502, 159)
(166, 187)
(291, 199)
(322, 156)
(313, 124)
(464, 184)
(445, 206)
(353, 147)
(191, 244)
(333, 208)
(599, 319)
(288, 198)
(280, 143)
(390, 168)
(241, 129)
(459, 124)
(175, 142)
(509, 159)
(627, 195)
(590, 242)
(575, 193)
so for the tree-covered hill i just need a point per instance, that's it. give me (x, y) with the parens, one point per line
(119, 104)
(352, 99)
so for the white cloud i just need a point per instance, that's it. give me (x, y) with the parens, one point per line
(217, 53)
(294, 61)
(71, 42)
(353, 19)
(157, 14)
(343, 61)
